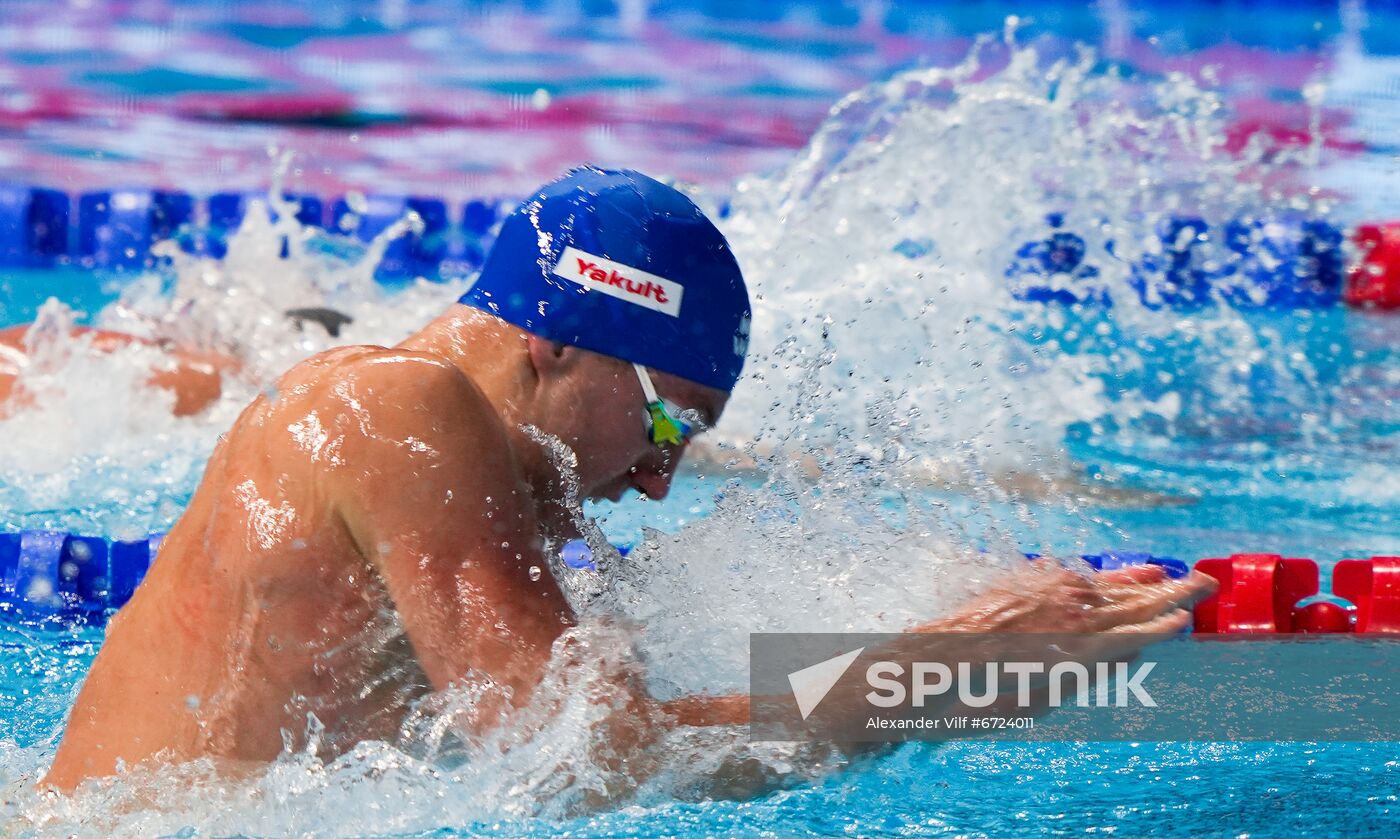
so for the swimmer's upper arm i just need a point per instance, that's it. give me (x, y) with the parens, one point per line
(431, 496)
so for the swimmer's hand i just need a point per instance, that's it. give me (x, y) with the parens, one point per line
(1047, 597)
(1108, 615)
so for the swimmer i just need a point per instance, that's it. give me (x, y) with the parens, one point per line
(374, 529)
(194, 376)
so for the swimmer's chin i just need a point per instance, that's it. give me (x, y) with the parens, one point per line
(614, 492)
(608, 492)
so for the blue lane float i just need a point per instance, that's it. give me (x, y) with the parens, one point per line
(1287, 261)
(480, 215)
(1269, 260)
(412, 255)
(1052, 270)
(117, 228)
(45, 573)
(227, 210)
(1114, 560)
(1173, 276)
(1277, 259)
(51, 574)
(466, 252)
(33, 226)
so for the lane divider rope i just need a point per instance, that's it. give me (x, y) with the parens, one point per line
(1276, 259)
(57, 575)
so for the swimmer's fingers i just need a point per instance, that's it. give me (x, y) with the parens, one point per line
(1134, 574)
(1126, 641)
(1128, 604)
(1152, 579)
(1166, 624)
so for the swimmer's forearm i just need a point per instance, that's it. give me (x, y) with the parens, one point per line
(704, 711)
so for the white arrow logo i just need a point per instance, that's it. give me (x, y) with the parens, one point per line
(810, 685)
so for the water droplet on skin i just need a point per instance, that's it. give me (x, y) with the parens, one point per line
(535, 573)
(192, 702)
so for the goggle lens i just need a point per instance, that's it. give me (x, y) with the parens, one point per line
(666, 425)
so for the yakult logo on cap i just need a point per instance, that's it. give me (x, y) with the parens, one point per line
(621, 281)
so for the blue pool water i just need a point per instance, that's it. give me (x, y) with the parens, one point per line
(920, 415)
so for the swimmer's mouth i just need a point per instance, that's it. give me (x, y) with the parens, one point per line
(619, 489)
(609, 492)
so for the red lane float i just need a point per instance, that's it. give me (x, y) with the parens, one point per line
(1373, 281)
(1374, 586)
(1322, 616)
(1259, 594)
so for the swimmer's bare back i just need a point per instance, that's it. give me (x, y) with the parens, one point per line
(337, 559)
(196, 378)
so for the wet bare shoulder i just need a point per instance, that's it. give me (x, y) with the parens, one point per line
(378, 391)
(412, 401)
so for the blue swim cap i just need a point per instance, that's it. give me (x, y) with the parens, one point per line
(625, 266)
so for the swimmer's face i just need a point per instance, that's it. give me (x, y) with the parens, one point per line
(595, 404)
(646, 466)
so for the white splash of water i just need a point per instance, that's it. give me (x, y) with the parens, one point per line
(883, 249)
(562, 755)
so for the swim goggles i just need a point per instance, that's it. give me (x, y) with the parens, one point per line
(667, 424)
